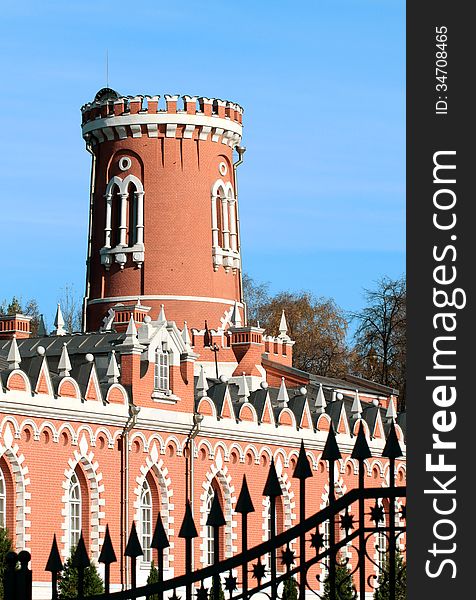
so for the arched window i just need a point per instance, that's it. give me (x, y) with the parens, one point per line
(381, 542)
(326, 539)
(214, 489)
(124, 221)
(75, 510)
(209, 539)
(162, 370)
(132, 216)
(3, 500)
(279, 522)
(225, 244)
(146, 521)
(113, 222)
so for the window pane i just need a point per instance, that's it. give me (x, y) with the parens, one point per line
(146, 521)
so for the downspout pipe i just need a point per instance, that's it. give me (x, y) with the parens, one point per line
(241, 151)
(130, 424)
(189, 476)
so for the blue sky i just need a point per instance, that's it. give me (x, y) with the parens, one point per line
(322, 188)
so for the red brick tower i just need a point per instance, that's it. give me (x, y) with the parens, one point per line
(164, 225)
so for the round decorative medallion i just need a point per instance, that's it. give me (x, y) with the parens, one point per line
(223, 169)
(125, 163)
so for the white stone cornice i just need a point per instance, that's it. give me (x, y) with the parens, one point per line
(206, 123)
(165, 297)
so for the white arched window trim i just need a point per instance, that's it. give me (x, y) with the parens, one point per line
(223, 201)
(121, 250)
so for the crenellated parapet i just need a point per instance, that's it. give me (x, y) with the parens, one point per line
(112, 117)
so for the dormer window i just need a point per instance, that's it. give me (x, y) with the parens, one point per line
(162, 370)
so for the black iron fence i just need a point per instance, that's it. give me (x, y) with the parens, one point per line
(331, 554)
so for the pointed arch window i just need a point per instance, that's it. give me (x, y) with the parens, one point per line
(3, 500)
(209, 535)
(74, 510)
(146, 521)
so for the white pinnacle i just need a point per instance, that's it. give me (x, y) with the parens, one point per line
(283, 397)
(59, 322)
(131, 330)
(162, 318)
(235, 318)
(185, 335)
(356, 408)
(391, 413)
(131, 338)
(113, 372)
(202, 384)
(320, 402)
(64, 365)
(13, 358)
(243, 388)
(283, 326)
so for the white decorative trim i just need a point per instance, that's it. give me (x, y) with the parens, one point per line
(21, 481)
(136, 131)
(218, 124)
(188, 131)
(152, 130)
(94, 478)
(125, 163)
(121, 132)
(171, 129)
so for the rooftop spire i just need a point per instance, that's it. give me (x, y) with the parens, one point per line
(283, 327)
(41, 327)
(235, 318)
(202, 384)
(59, 322)
(356, 408)
(391, 413)
(243, 388)
(283, 397)
(320, 402)
(185, 335)
(13, 358)
(64, 365)
(162, 318)
(113, 372)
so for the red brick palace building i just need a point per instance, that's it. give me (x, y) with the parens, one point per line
(95, 425)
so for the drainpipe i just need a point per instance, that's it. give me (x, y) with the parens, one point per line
(90, 230)
(189, 446)
(241, 151)
(130, 424)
